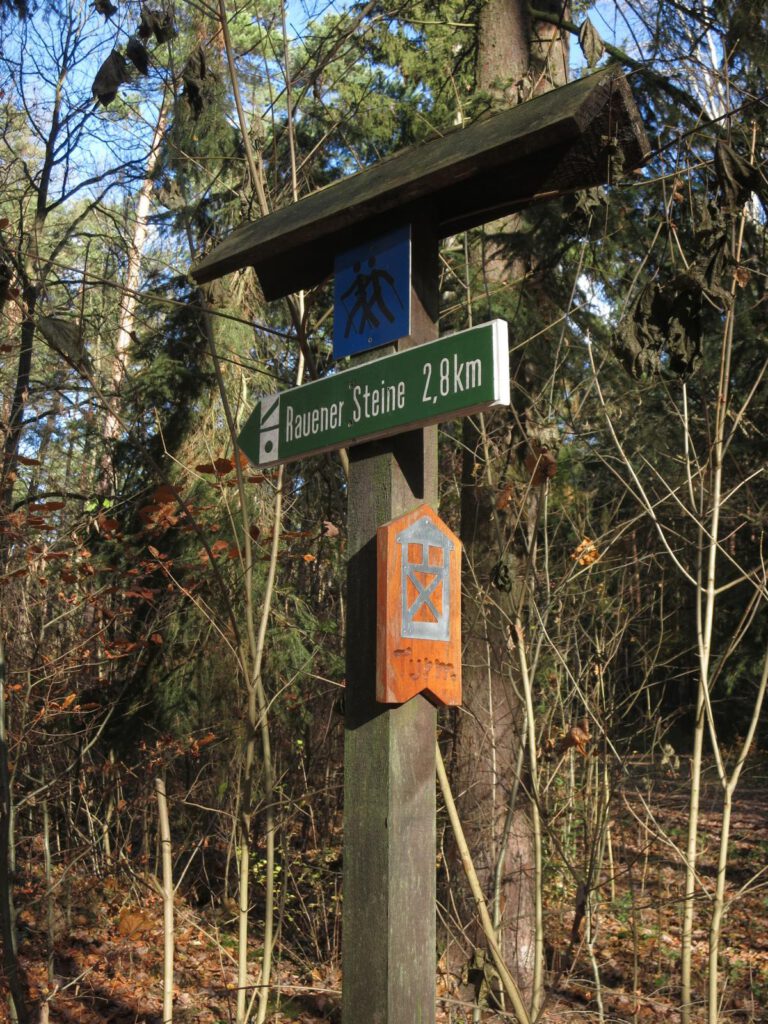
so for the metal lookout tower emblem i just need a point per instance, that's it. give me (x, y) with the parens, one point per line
(418, 643)
(425, 584)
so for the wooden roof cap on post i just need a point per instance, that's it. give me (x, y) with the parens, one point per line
(559, 142)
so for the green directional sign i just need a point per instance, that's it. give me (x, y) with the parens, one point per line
(453, 376)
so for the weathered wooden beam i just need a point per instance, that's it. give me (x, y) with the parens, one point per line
(388, 932)
(557, 143)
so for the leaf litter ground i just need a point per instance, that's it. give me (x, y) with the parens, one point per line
(107, 951)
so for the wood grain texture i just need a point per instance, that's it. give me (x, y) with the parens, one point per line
(559, 142)
(388, 939)
(407, 665)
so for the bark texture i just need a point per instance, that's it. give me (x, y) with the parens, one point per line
(516, 61)
(490, 793)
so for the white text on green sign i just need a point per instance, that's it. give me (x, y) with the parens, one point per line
(453, 376)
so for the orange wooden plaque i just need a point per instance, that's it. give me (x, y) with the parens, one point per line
(418, 633)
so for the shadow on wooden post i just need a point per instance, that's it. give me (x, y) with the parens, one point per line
(389, 943)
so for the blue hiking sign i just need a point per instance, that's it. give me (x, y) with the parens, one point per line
(372, 294)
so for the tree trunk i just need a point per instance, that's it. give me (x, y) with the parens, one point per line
(128, 299)
(20, 394)
(488, 736)
(504, 49)
(516, 60)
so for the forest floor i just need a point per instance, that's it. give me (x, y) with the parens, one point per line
(638, 920)
(108, 948)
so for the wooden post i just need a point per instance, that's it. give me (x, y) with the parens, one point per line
(389, 942)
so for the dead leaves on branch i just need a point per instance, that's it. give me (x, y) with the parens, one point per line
(162, 512)
(74, 576)
(221, 466)
(116, 69)
(585, 209)
(663, 328)
(33, 516)
(156, 22)
(108, 527)
(199, 80)
(577, 737)
(737, 178)
(165, 511)
(136, 52)
(111, 75)
(68, 705)
(219, 549)
(586, 552)
(65, 337)
(592, 45)
(540, 462)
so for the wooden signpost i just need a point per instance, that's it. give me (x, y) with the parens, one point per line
(388, 923)
(566, 140)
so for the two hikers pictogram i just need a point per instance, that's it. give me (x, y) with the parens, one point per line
(372, 294)
(370, 291)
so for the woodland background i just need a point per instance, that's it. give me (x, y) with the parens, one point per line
(172, 623)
